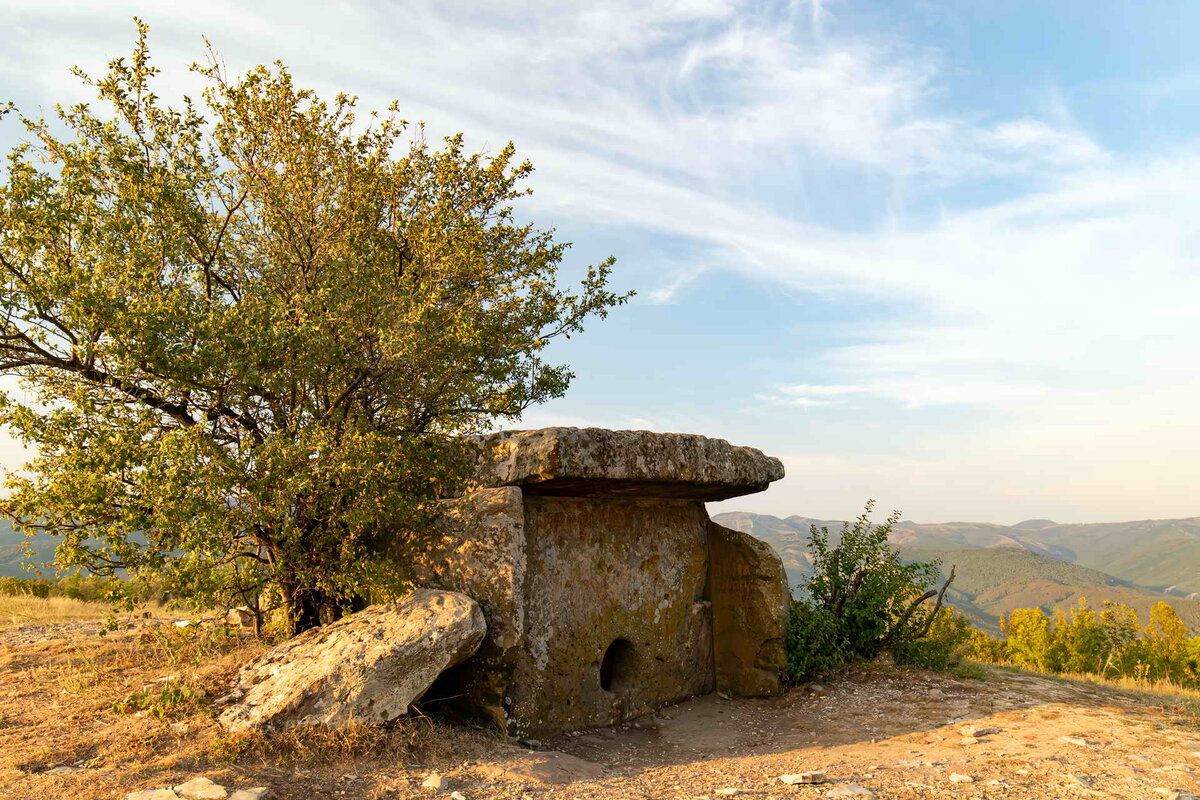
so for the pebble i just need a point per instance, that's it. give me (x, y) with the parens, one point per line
(435, 781)
(816, 776)
(850, 790)
(457, 796)
(200, 789)
(257, 793)
(63, 770)
(729, 791)
(1074, 740)
(958, 777)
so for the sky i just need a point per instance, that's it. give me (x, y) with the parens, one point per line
(939, 254)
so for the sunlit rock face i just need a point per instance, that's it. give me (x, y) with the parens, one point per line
(607, 591)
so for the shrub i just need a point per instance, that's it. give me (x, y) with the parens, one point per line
(814, 641)
(942, 648)
(863, 599)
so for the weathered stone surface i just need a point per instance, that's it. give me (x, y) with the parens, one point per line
(622, 573)
(201, 789)
(478, 548)
(581, 462)
(749, 593)
(369, 666)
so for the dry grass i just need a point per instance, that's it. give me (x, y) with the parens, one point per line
(1158, 692)
(26, 609)
(135, 709)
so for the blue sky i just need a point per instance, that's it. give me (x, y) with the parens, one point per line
(939, 254)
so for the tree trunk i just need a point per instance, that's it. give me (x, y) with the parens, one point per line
(307, 608)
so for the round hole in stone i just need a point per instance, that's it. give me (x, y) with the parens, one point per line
(617, 666)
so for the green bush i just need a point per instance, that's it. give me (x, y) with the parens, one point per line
(815, 642)
(862, 599)
(942, 648)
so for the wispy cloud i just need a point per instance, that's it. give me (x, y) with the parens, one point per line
(1063, 299)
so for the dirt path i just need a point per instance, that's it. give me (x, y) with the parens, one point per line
(900, 735)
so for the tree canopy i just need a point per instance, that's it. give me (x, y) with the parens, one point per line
(251, 330)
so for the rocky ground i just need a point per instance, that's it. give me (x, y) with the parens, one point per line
(874, 731)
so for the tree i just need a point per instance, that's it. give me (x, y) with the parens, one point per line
(253, 330)
(1029, 637)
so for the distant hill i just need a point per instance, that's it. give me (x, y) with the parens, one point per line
(12, 556)
(1034, 563)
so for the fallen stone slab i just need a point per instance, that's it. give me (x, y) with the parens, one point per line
(370, 666)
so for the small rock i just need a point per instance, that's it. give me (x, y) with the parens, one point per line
(532, 744)
(978, 733)
(958, 777)
(1075, 740)
(816, 776)
(152, 794)
(435, 781)
(257, 793)
(63, 770)
(1181, 795)
(457, 796)
(201, 789)
(178, 727)
(970, 740)
(1086, 781)
(850, 790)
(726, 792)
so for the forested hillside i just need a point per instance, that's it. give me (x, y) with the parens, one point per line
(1037, 563)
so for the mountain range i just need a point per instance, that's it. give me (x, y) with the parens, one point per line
(1033, 563)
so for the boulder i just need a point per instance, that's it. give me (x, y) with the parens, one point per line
(369, 666)
(201, 789)
(750, 597)
(589, 462)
